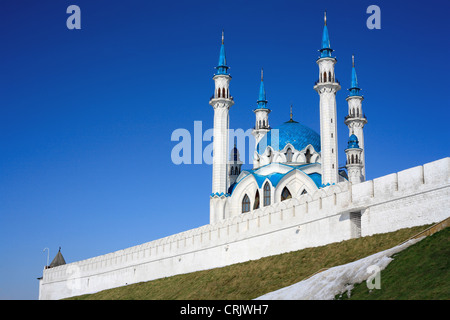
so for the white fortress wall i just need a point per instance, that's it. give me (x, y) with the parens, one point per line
(421, 197)
(412, 197)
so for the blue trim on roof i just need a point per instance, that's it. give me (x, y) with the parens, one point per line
(326, 185)
(276, 177)
(317, 178)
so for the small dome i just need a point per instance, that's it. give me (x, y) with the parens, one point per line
(353, 142)
(298, 135)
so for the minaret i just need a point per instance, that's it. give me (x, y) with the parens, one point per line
(234, 165)
(355, 120)
(261, 113)
(354, 162)
(221, 102)
(326, 87)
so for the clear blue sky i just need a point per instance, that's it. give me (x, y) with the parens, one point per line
(86, 115)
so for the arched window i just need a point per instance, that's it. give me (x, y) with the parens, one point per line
(259, 124)
(256, 204)
(356, 159)
(357, 112)
(245, 204)
(353, 159)
(285, 194)
(304, 192)
(218, 93)
(266, 194)
(308, 156)
(223, 92)
(289, 155)
(324, 77)
(228, 93)
(329, 76)
(232, 171)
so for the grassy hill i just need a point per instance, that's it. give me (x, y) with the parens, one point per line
(420, 272)
(251, 279)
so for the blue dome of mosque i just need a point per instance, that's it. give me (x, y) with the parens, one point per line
(298, 135)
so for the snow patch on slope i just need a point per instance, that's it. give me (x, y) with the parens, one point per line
(331, 282)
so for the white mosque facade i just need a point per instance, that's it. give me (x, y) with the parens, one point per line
(290, 160)
(294, 197)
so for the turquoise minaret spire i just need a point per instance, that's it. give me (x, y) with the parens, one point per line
(355, 120)
(222, 67)
(354, 89)
(262, 116)
(326, 50)
(262, 102)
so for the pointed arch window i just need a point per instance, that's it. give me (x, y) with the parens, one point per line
(285, 194)
(289, 155)
(256, 204)
(266, 194)
(304, 192)
(308, 156)
(245, 204)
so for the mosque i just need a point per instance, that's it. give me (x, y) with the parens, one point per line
(294, 197)
(291, 159)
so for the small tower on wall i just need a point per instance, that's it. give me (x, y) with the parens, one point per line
(261, 113)
(327, 86)
(221, 102)
(354, 162)
(356, 119)
(234, 165)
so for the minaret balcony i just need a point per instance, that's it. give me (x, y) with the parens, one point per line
(351, 117)
(325, 82)
(263, 128)
(220, 99)
(334, 86)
